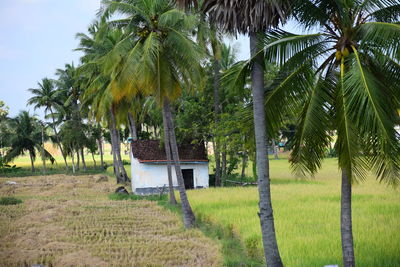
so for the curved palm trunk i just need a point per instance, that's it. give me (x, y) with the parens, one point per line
(121, 176)
(188, 215)
(346, 222)
(58, 140)
(94, 161)
(216, 84)
(270, 244)
(172, 199)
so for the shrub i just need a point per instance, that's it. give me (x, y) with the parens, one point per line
(118, 196)
(10, 201)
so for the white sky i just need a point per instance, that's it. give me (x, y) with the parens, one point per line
(38, 36)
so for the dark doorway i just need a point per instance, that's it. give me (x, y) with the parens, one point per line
(188, 178)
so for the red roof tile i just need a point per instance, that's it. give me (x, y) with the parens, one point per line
(153, 151)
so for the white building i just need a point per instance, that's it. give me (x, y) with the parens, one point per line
(149, 167)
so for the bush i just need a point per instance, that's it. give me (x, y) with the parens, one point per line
(10, 201)
(118, 196)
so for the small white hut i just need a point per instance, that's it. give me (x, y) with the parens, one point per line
(149, 167)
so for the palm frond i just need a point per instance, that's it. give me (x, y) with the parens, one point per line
(311, 139)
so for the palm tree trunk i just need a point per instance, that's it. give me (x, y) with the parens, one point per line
(216, 85)
(83, 160)
(73, 160)
(244, 163)
(101, 152)
(172, 199)
(271, 251)
(94, 161)
(77, 159)
(276, 156)
(346, 222)
(132, 126)
(58, 140)
(32, 161)
(188, 215)
(223, 164)
(117, 149)
(115, 163)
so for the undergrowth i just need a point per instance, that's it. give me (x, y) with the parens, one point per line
(10, 201)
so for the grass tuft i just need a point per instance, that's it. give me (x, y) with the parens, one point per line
(10, 201)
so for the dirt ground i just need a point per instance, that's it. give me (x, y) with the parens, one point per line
(69, 221)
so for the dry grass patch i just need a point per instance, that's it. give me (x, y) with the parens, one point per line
(68, 221)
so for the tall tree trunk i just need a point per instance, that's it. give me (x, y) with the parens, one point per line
(42, 150)
(276, 156)
(101, 152)
(117, 149)
(189, 219)
(73, 159)
(77, 160)
(58, 140)
(216, 84)
(115, 161)
(94, 161)
(244, 163)
(83, 160)
(223, 165)
(172, 199)
(32, 161)
(346, 222)
(271, 251)
(132, 126)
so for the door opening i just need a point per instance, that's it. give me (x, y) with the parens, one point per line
(188, 178)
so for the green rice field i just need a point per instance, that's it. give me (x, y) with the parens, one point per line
(307, 217)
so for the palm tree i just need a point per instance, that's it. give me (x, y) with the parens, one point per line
(48, 97)
(26, 137)
(345, 77)
(98, 95)
(163, 61)
(254, 17)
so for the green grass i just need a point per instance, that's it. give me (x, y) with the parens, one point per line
(5, 201)
(307, 217)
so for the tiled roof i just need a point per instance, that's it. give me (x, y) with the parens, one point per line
(152, 151)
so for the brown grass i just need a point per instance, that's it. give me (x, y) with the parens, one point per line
(68, 221)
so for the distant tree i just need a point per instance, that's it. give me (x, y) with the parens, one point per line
(48, 97)
(3, 109)
(26, 138)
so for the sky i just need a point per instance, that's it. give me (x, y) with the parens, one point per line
(38, 36)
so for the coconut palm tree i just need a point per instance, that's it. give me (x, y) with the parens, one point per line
(345, 77)
(163, 61)
(97, 94)
(254, 17)
(26, 137)
(48, 97)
